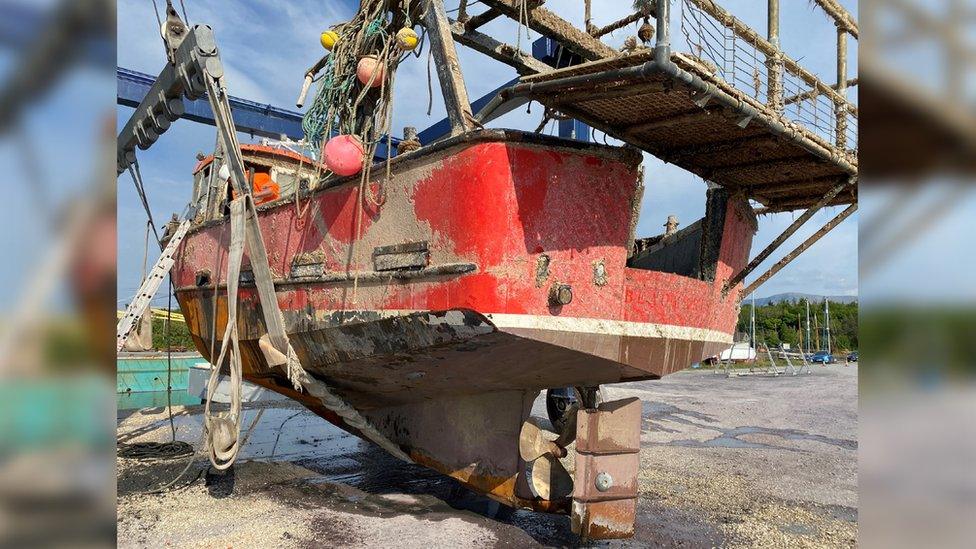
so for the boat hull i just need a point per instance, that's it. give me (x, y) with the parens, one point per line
(435, 294)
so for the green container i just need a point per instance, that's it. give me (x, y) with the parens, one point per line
(147, 372)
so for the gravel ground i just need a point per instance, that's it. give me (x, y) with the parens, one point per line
(744, 461)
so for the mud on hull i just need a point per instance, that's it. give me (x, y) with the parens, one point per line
(486, 268)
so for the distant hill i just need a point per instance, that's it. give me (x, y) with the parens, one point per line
(795, 297)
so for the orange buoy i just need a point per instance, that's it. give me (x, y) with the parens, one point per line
(344, 154)
(370, 71)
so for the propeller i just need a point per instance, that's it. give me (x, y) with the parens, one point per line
(541, 450)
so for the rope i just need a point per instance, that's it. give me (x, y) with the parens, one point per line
(137, 181)
(144, 451)
(159, 23)
(344, 105)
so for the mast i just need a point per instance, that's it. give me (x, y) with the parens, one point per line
(809, 340)
(799, 332)
(752, 322)
(827, 322)
(816, 331)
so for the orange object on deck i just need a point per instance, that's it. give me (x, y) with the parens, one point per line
(265, 189)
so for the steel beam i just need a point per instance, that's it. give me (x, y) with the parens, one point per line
(741, 275)
(549, 24)
(798, 250)
(250, 117)
(448, 68)
(523, 63)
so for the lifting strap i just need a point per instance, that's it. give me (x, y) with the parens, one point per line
(223, 429)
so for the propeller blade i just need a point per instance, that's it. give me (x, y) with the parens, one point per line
(532, 442)
(550, 480)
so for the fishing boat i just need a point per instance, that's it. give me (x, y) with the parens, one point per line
(498, 264)
(425, 303)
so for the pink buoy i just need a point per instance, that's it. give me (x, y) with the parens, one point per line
(365, 69)
(344, 154)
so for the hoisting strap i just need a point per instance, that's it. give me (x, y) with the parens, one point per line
(223, 429)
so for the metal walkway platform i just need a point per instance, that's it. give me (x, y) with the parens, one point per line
(683, 114)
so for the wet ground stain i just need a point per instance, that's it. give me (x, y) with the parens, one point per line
(656, 415)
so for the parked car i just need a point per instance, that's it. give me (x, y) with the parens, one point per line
(822, 357)
(852, 357)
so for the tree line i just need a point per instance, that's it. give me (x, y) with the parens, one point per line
(786, 322)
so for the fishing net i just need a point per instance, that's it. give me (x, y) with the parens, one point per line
(345, 105)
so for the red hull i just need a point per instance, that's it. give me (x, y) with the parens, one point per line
(480, 228)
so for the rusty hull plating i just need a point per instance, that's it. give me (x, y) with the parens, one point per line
(432, 311)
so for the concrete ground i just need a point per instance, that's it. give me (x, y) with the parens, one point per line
(744, 461)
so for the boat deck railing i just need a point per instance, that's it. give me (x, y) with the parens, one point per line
(728, 105)
(758, 68)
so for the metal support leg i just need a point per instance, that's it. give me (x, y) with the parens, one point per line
(607, 461)
(799, 249)
(741, 275)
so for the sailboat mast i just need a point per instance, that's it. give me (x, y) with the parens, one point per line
(827, 322)
(816, 331)
(809, 340)
(752, 323)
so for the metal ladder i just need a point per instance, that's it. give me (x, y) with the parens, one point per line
(149, 287)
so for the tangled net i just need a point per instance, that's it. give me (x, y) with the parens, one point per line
(344, 105)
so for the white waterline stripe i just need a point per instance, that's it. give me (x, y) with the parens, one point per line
(607, 327)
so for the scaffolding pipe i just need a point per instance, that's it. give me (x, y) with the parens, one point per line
(842, 17)
(798, 250)
(774, 74)
(662, 47)
(851, 82)
(597, 32)
(841, 113)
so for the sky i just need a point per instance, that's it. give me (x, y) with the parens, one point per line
(266, 47)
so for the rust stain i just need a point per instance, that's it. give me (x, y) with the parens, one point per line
(501, 489)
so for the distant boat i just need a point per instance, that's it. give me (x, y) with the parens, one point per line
(739, 352)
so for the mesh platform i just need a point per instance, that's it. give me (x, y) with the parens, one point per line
(781, 170)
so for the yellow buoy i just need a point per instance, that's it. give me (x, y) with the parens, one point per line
(407, 39)
(329, 39)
